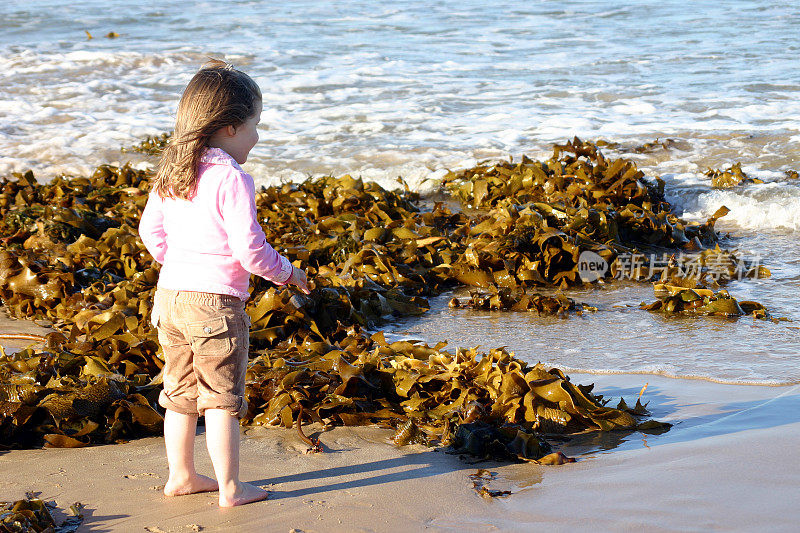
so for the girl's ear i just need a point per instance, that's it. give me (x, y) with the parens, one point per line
(230, 131)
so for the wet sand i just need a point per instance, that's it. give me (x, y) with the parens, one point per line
(730, 462)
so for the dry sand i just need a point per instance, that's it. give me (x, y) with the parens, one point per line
(731, 462)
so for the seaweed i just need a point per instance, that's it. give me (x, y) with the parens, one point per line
(73, 256)
(730, 177)
(151, 145)
(32, 514)
(504, 299)
(544, 214)
(688, 297)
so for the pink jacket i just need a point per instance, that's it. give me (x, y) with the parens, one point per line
(212, 242)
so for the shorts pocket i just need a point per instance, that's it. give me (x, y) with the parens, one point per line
(211, 337)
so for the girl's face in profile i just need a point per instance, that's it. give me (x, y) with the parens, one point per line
(244, 138)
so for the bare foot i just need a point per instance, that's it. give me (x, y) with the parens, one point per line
(194, 484)
(245, 493)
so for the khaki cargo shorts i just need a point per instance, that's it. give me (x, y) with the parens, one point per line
(205, 338)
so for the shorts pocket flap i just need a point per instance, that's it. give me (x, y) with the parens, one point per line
(208, 328)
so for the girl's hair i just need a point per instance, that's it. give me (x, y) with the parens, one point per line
(217, 96)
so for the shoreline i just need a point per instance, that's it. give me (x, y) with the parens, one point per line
(578, 371)
(726, 463)
(24, 326)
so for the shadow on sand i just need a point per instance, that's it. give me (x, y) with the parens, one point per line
(411, 466)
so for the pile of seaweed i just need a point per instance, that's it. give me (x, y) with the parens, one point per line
(504, 299)
(32, 514)
(70, 253)
(544, 214)
(682, 296)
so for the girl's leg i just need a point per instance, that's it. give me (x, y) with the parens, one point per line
(179, 431)
(222, 439)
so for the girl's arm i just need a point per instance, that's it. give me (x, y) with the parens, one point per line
(151, 228)
(245, 237)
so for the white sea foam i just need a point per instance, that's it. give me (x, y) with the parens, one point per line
(338, 86)
(759, 206)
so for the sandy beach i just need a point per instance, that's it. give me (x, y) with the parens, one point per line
(729, 463)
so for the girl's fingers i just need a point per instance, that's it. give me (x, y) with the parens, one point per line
(299, 280)
(302, 286)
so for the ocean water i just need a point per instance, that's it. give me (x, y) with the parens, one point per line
(385, 90)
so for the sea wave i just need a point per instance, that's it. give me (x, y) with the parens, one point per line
(346, 85)
(757, 206)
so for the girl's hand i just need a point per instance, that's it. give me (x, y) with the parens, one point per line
(299, 280)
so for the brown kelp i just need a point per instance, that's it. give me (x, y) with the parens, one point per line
(545, 213)
(686, 296)
(151, 145)
(504, 299)
(404, 379)
(70, 253)
(409, 432)
(32, 514)
(730, 177)
(74, 259)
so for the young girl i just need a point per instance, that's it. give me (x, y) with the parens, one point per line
(200, 223)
